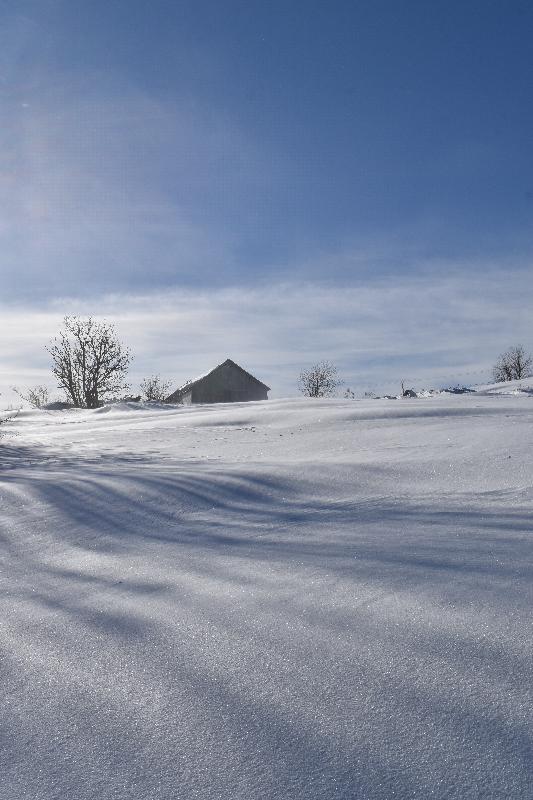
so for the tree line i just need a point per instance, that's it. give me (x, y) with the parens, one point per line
(322, 379)
(90, 365)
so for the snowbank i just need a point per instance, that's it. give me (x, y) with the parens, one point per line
(133, 405)
(523, 386)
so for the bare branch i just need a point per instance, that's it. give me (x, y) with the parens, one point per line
(36, 396)
(89, 362)
(514, 364)
(320, 380)
(154, 388)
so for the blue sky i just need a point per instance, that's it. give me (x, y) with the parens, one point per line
(204, 147)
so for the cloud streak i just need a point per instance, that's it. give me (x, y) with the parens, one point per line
(424, 330)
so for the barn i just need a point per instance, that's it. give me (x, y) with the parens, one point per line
(227, 383)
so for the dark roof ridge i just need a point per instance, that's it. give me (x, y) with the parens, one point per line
(186, 386)
(248, 374)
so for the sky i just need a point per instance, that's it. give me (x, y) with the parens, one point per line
(272, 182)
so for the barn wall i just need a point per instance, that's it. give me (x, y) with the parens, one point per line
(227, 384)
(181, 399)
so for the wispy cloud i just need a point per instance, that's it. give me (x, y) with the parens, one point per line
(203, 240)
(106, 187)
(423, 329)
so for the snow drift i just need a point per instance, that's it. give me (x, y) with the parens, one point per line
(285, 599)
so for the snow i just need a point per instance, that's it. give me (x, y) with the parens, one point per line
(286, 599)
(524, 385)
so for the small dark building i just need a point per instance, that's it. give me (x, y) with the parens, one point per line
(227, 383)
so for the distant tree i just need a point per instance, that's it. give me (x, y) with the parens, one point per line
(512, 365)
(89, 362)
(321, 380)
(153, 388)
(349, 394)
(36, 396)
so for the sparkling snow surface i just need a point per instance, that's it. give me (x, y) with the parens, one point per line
(289, 599)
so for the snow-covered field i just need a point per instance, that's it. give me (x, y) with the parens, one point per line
(291, 599)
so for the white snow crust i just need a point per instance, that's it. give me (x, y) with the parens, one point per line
(522, 386)
(297, 599)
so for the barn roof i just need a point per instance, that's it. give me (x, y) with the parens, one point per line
(190, 384)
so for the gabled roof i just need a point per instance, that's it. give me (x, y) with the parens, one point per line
(190, 384)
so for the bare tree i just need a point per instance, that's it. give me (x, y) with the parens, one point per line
(36, 396)
(321, 380)
(89, 361)
(153, 388)
(512, 365)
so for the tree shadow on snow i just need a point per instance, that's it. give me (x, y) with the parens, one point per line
(310, 630)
